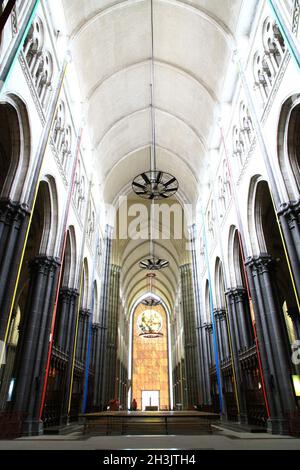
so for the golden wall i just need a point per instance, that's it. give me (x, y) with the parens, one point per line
(150, 360)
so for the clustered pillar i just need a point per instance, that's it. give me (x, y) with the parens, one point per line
(101, 337)
(273, 342)
(34, 336)
(13, 223)
(112, 333)
(188, 308)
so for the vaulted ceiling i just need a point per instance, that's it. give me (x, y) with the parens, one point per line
(111, 48)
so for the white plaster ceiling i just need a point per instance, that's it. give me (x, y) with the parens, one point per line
(111, 49)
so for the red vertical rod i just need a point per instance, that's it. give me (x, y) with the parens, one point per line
(241, 244)
(67, 211)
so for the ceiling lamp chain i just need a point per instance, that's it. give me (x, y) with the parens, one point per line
(154, 184)
(151, 300)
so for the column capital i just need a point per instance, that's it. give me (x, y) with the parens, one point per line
(12, 212)
(262, 263)
(239, 293)
(185, 268)
(208, 327)
(44, 263)
(291, 211)
(115, 269)
(68, 293)
(96, 326)
(85, 312)
(230, 292)
(219, 313)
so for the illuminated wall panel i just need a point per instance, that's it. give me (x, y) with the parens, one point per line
(150, 360)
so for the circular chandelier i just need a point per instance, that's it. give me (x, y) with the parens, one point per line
(155, 185)
(151, 301)
(153, 264)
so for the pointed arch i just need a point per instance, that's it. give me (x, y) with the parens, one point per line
(70, 258)
(15, 147)
(85, 285)
(219, 285)
(49, 200)
(288, 146)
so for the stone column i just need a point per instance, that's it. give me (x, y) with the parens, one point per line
(279, 334)
(112, 332)
(243, 324)
(289, 215)
(68, 338)
(205, 350)
(209, 345)
(14, 218)
(224, 333)
(68, 347)
(235, 344)
(272, 343)
(263, 337)
(96, 360)
(203, 377)
(234, 317)
(62, 317)
(219, 334)
(82, 338)
(34, 342)
(188, 307)
(101, 364)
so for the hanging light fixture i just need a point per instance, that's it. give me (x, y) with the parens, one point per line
(154, 264)
(154, 184)
(150, 321)
(151, 301)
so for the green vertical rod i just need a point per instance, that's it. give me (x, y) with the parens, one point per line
(8, 68)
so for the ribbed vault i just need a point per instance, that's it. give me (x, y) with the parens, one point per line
(111, 49)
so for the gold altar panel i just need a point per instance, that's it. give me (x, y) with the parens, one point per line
(150, 360)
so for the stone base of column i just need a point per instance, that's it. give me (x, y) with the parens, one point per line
(278, 426)
(64, 420)
(32, 427)
(242, 418)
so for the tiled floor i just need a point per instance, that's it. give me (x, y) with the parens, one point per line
(224, 440)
